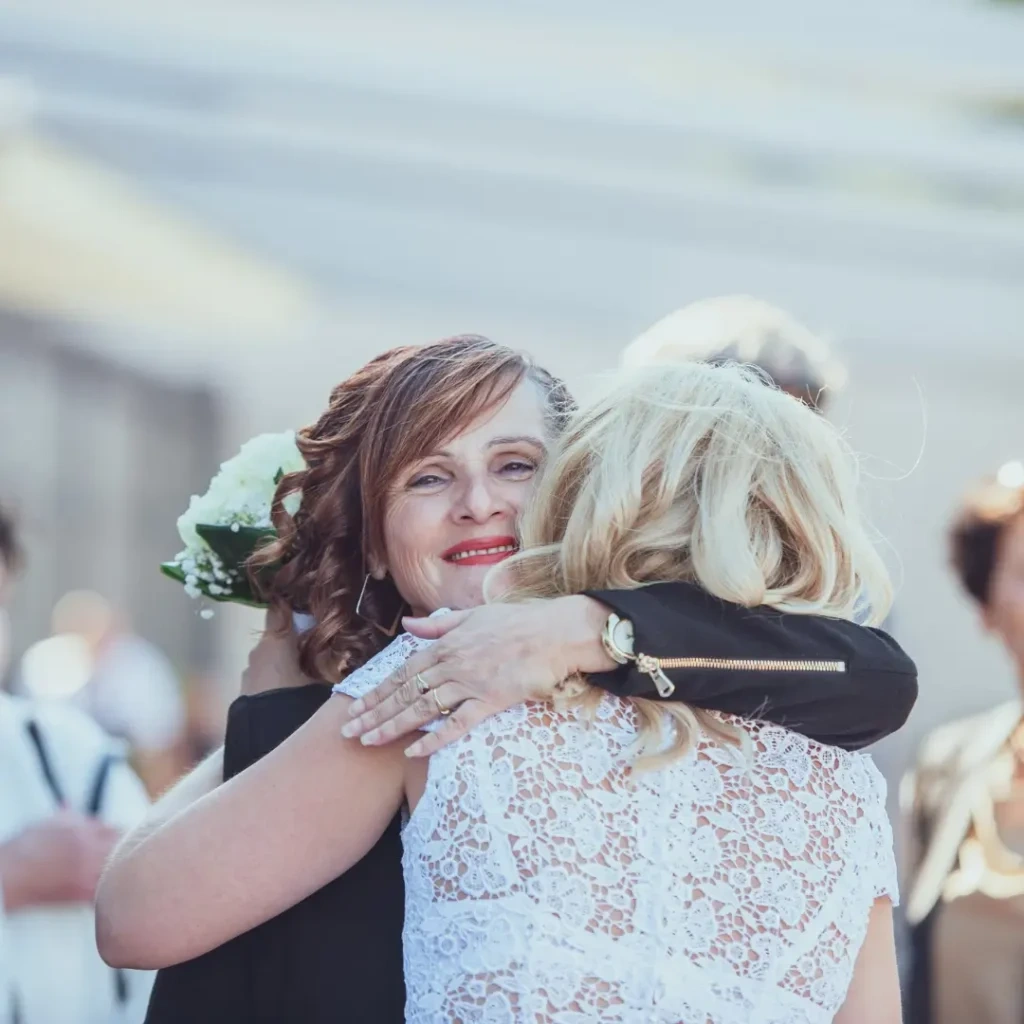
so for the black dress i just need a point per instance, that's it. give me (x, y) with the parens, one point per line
(336, 958)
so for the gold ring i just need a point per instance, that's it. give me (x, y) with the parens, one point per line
(444, 710)
(421, 684)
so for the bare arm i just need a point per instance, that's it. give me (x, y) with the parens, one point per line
(874, 994)
(203, 779)
(272, 674)
(251, 848)
(273, 665)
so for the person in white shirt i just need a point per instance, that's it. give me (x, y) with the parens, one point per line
(66, 795)
(95, 661)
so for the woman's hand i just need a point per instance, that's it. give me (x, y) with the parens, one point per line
(274, 661)
(485, 660)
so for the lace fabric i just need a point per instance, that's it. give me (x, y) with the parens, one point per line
(360, 682)
(547, 882)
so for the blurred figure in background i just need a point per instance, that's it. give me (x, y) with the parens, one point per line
(965, 799)
(123, 681)
(742, 329)
(66, 794)
(205, 717)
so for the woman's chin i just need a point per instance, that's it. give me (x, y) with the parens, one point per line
(463, 586)
(467, 592)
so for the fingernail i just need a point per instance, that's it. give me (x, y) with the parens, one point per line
(370, 738)
(355, 709)
(412, 751)
(349, 729)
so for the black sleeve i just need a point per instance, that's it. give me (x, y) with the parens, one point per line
(867, 699)
(261, 722)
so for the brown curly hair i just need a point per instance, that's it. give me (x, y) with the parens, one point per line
(398, 408)
(985, 513)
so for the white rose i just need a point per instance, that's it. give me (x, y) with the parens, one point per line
(243, 489)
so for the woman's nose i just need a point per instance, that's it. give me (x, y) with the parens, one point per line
(481, 501)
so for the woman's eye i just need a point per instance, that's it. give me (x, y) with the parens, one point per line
(426, 480)
(518, 467)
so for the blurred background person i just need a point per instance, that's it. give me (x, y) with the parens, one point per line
(66, 794)
(742, 329)
(204, 718)
(965, 797)
(132, 690)
(95, 661)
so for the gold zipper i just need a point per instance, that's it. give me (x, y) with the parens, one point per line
(654, 667)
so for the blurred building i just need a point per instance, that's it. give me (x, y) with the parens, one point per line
(95, 461)
(107, 433)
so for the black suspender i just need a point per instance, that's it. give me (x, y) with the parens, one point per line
(45, 764)
(99, 784)
(93, 806)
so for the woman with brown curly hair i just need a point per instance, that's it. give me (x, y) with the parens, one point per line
(965, 798)
(415, 478)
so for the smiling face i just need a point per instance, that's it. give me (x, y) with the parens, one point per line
(453, 514)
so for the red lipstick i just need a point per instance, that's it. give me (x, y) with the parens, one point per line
(481, 551)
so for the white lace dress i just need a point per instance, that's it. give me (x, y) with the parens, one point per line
(547, 884)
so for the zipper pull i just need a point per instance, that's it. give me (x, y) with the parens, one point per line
(652, 666)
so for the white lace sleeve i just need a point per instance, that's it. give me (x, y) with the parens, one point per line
(883, 845)
(380, 666)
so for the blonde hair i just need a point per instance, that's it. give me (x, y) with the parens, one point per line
(705, 474)
(742, 329)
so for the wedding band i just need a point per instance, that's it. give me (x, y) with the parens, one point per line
(421, 684)
(443, 709)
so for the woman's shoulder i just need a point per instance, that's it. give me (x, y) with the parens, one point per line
(973, 737)
(789, 759)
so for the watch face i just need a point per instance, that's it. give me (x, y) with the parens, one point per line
(622, 634)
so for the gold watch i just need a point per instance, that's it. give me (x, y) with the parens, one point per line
(617, 639)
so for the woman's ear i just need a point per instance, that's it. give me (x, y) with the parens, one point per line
(378, 570)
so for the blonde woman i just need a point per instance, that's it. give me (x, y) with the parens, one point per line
(608, 859)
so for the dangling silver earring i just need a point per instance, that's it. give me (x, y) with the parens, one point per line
(387, 630)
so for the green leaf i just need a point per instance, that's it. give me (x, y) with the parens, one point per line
(173, 570)
(246, 597)
(234, 547)
(242, 593)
